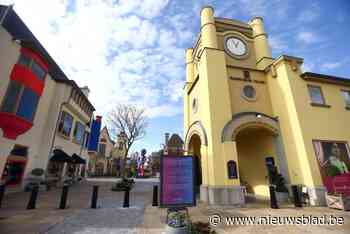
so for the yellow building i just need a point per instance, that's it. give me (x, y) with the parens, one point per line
(244, 107)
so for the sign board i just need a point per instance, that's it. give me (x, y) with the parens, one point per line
(334, 162)
(232, 169)
(177, 181)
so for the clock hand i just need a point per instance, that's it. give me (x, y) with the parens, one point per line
(236, 43)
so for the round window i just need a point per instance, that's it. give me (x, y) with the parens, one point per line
(249, 92)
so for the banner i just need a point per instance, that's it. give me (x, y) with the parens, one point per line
(334, 163)
(177, 181)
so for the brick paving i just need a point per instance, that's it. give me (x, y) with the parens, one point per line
(110, 217)
(141, 217)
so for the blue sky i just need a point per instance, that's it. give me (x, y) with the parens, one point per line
(132, 51)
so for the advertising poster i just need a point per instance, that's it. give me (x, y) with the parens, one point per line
(334, 162)
(177, 181)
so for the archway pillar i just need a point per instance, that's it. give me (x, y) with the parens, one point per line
(221, 190)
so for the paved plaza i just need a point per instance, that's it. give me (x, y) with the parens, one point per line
(141, 217)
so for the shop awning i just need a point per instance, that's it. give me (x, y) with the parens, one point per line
(60, 156)
(76, 159)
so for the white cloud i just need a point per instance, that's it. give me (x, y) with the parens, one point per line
(118, 49)
(331, 65)
(277, 43)
(308, 37)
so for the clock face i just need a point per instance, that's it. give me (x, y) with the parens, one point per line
(236, 46)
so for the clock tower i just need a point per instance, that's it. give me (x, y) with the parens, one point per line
(225, 77)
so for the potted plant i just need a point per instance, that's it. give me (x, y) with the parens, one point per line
(123, 185)
(277, 180)
(177, 223)
(201, 228)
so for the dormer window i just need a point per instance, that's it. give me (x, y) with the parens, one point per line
(31, 64)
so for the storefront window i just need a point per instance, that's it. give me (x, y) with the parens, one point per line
(65, 124)
(79, 132)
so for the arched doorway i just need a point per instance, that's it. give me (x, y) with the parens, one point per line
(194, 148)
(255, 146)
(259, 144)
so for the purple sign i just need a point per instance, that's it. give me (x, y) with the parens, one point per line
(177, 181)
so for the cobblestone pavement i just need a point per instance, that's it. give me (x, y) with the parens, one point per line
(110, 217)
(141, 217)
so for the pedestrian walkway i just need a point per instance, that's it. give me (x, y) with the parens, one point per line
(110, 217)
(141, 217)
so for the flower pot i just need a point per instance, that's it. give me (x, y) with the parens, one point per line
(282, 197)
(178, 230)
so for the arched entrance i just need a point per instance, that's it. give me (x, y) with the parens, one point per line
(194, 148)
(254, 146)
(258, 143)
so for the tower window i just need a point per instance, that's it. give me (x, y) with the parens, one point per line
(249, 93)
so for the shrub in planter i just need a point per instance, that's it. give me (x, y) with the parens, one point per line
(177, 223)
(123, 185)
(201, 228)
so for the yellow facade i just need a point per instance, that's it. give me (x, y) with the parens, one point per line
(222, 123)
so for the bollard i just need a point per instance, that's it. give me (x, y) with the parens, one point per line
(64, 196)
(94, 197)
(296, 196)
(126, 198)
(33, 197)
(273, 200)
(155, 195)
(2, 193)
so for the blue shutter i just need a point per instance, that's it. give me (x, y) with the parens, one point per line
(28, 104)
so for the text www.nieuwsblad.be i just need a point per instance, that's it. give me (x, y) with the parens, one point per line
(330, 220)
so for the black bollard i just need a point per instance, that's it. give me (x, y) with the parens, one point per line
(273, 200)
(2, 193)
(296, 196)
(155, 195)
(64, 196)
(126, 198)
(94, 197)
(33, 197)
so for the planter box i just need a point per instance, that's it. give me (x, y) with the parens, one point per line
(338, 202)
(172, 230)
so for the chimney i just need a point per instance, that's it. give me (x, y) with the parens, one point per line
(167, 138)
(85, 90)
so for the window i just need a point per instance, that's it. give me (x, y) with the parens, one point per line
(87, 135)
(78, 133)
(249, 93)
(12, 96)
(38, 70)
(28, 104)
(346, 95)
(316, 95)
(102, 149)
(20, 100)
(31, 64)
(65, 124)
(24, 60)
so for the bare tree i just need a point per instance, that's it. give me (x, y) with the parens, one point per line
(129, 120)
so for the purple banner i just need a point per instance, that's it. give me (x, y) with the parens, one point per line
(177, 182)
